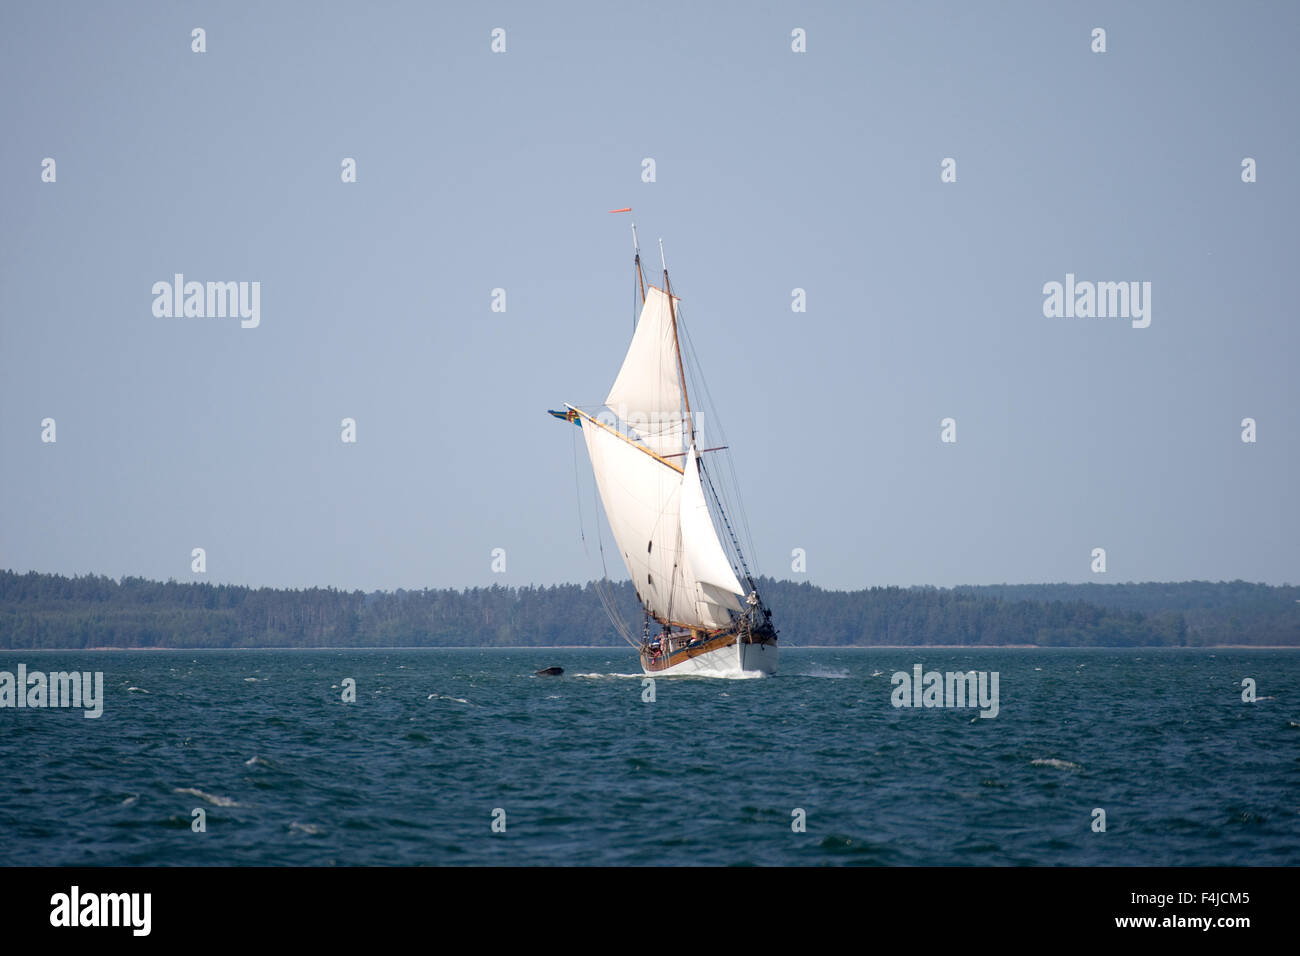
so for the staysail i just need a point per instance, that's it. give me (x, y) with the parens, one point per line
(716, 581)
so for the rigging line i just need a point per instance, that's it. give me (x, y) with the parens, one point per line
(577, 487)
(721, 496)
(611, 611)
(736, 557)
(602, 587)
(739, 553)
(731, 462)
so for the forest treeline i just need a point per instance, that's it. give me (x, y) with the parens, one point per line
(53, 611)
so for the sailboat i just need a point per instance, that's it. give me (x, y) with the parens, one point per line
(656, 487)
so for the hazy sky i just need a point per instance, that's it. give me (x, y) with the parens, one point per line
(775, 170)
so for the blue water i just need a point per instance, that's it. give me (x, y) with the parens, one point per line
(711, 772)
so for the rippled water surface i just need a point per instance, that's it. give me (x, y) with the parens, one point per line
(710, 772)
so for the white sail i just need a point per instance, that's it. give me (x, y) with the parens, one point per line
(647, 394)
(717, 584)
(642, 498)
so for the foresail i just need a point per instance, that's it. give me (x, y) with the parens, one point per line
(647, 394)
(709, 567)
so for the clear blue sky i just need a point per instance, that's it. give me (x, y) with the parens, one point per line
(775, 170)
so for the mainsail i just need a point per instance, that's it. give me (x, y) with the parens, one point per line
(657, 510)
(660, 520)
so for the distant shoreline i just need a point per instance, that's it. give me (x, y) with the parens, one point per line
(92, 611)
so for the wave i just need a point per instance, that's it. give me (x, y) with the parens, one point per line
(602, 676)
(832, 673)
(1053, 762)
(216, 801)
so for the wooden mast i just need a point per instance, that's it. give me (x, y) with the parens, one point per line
(681, 372)
(639, 275)
(636, 249)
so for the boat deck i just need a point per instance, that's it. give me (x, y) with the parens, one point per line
(690, 649)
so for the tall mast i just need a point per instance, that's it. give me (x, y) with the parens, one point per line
(637, 249)
(672, 312)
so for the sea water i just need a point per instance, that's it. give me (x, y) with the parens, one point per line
(341, 757)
